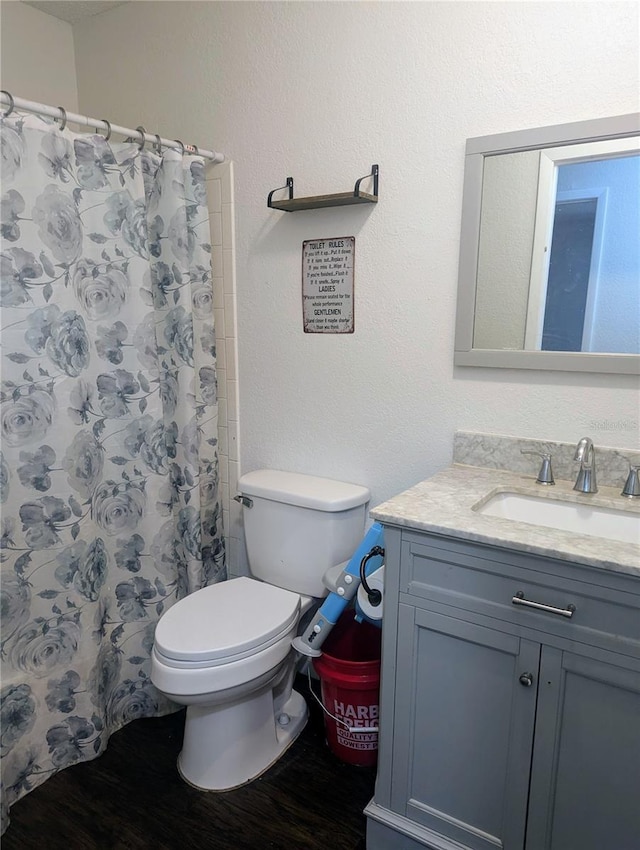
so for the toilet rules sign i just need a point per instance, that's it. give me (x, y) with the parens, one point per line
(327, 285)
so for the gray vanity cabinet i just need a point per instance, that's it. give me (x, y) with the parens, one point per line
(471, 728)
(585, 778)
(505, 726)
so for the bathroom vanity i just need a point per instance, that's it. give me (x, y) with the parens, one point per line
(506, 724)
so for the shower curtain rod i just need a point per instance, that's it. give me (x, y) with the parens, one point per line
(59, 113)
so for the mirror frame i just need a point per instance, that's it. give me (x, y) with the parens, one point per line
(599, 129)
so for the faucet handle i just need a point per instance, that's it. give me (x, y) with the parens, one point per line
(631, 487)
(545, 475)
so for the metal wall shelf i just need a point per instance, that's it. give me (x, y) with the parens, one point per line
(339, 199)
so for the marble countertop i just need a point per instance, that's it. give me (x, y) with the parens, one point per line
(444, 504)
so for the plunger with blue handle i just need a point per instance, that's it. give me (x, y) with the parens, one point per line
(370, 552)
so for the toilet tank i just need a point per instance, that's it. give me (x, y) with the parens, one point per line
(300, 525)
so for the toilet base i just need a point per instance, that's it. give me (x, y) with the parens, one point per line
(228, 746)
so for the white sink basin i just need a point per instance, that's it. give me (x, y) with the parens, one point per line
(592, 520)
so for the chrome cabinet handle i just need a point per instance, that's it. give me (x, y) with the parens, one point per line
(519, 599)
(526, 679)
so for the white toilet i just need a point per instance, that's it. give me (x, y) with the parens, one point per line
(225, 651)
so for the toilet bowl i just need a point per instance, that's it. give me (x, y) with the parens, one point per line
(225, 650)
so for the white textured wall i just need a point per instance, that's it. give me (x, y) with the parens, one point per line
(37, 57)
(320, 91)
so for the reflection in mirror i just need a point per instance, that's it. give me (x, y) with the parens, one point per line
(550, 250)
(559, 251)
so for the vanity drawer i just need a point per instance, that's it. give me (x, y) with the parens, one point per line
(502, 584)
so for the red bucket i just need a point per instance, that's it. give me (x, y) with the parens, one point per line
(349, 671)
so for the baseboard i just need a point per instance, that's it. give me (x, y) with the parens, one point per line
(387, 830)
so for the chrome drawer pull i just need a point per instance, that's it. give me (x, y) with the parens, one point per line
(519, 599)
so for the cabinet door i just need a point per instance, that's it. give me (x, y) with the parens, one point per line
(463, 729)
(585, 780)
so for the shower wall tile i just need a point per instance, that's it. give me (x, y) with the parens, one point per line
(215, 222)
(232, 441)
(233, 476)
(214, 194)
(229, 356)
(217, 264)
(221, 356)
(218, 293)
(222, 407)
(230, 316)
(218, 318)
(227, 226)
(224, 472)
(232, 395)
(226, 186)
(228, 265)
(222, 383)
(221, 214)
(223, 440)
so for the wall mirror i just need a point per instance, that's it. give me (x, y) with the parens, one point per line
(549, 273)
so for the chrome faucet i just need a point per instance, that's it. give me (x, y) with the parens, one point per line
(545, 475)
(586, 455)
(631, 487)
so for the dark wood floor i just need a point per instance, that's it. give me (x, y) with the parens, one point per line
(132, 797)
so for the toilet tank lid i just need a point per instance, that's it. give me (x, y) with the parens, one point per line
(307, 491)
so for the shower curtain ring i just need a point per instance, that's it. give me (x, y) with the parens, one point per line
(63, 117)
(108, 136)
(11, 104)
(177, 141)
(143, 133)
(157, 145)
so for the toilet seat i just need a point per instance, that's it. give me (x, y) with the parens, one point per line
(225, 622)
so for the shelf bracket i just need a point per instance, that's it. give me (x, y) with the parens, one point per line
(288, 185)
(374, 174)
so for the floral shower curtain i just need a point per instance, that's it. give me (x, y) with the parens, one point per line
(109, 467)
